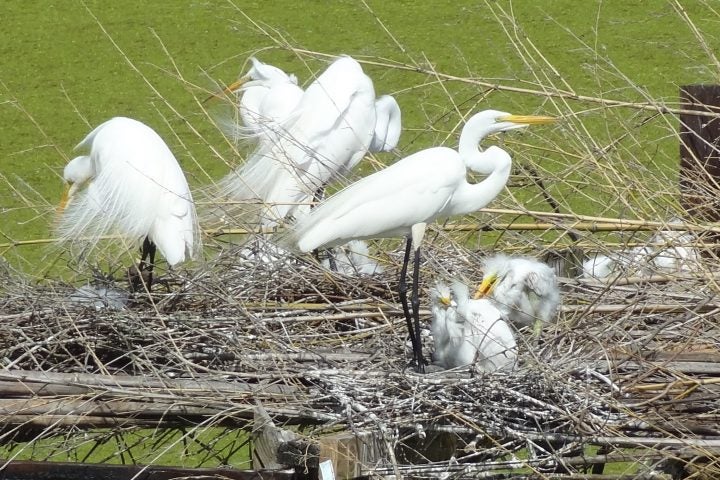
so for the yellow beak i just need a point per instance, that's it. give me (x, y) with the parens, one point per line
(230, 88)
(64, 199)
(528, 119)
(445, 301)
(486, 286)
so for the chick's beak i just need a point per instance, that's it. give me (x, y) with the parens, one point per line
(528, 119)
(486, 286)
(445, 301)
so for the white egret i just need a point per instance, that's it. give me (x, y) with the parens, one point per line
(674, 250)
(129, 185)
(467, 332)
(525, 289)
(599, 266)
(268, 97)
(323, 138)
(633, 261)
(401, 199)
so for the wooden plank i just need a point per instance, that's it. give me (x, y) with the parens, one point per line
(28, 470)
(24, 382)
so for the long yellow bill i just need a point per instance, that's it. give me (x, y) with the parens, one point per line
(230, 88)
(486, 286)
(64, 199)
(528, 119)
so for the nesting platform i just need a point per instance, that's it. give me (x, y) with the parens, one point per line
(627, 379)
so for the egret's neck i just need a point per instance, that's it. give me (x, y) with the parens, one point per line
(471, 197)
(474, 131)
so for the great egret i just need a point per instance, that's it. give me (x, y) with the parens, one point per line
(469, 332)
(134, 188)
(324, 137)
(524, 289)
(268, 97)
(401, 199)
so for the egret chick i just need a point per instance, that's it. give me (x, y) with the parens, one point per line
(469, 331)
(599, 266)
(130, 185)
(674, 250)
(525, 289)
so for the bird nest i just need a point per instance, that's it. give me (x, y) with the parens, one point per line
(630, 367)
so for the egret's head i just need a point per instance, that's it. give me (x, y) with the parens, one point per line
(441, 296)
(238, 84)
(268, 73)
(487, 285)
(495, 269)
(76, 174)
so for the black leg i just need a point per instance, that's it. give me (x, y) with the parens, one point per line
(148, 253)
(327, 253)
(402, 290)
(319, 193)
(415, 302)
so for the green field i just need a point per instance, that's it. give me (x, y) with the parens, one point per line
(68, 66)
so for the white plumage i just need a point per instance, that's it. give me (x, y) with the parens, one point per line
(674, 251)
(418, 189)
(134, 188)
(469, 331)
(388, 125)
(523, 288)
(269, 96)
(323, 138)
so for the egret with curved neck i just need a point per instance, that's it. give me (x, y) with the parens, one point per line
(401, 199)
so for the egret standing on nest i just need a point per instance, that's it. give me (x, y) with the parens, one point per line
(525, 289)
(403, 198)
(468, 332)
(334, 124)
(129, 185)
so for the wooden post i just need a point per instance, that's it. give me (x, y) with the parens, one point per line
(276, 448)
(700, 152)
